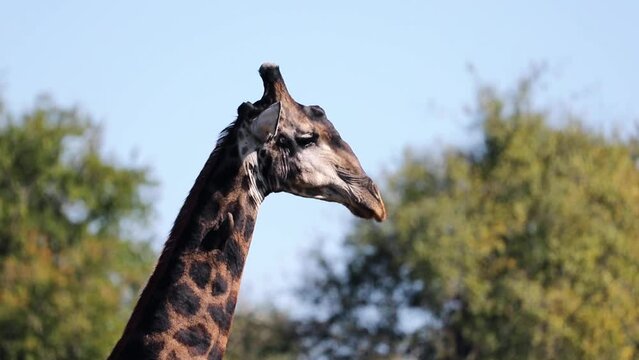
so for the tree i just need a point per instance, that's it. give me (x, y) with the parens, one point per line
(525, 248)
(69, 263)
(262, 334)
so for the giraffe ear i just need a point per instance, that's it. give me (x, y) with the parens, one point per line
(265, 125)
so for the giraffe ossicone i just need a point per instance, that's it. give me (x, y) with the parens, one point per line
(275, 145)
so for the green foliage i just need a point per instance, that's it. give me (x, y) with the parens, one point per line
(524, 249)
(68, 268)
(262, 334)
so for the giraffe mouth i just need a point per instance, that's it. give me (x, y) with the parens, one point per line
(363, 201)
(363, 197)
(367, 213)
(368, 204)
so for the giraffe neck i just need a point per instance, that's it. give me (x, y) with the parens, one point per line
(187, 307)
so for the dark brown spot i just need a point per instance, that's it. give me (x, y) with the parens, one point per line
(213, 207)
(244, 224)
(216, 353)
(160, 319)
(220, 285)
(220, 316)
(195, 338)
(239, 216)
(178, 270)
(184, 300)
(234, 257)
(216, 237)
(230, 306)
(200, 273)
(154, 348)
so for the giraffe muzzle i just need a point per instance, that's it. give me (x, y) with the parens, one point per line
(367, 203)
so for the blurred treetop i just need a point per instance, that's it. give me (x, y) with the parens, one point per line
(69, 262)
(525, 248)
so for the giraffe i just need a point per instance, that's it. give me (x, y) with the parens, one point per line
(274, 145)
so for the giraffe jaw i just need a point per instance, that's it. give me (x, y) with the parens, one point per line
(363, 202)
(366, 213)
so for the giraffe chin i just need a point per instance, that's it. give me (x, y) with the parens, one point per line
(365, 212)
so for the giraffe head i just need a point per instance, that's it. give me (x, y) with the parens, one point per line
(295, 148)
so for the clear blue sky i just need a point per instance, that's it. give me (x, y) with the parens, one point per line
(164, 78)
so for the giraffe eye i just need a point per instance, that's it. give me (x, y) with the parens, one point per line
(307, 140)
